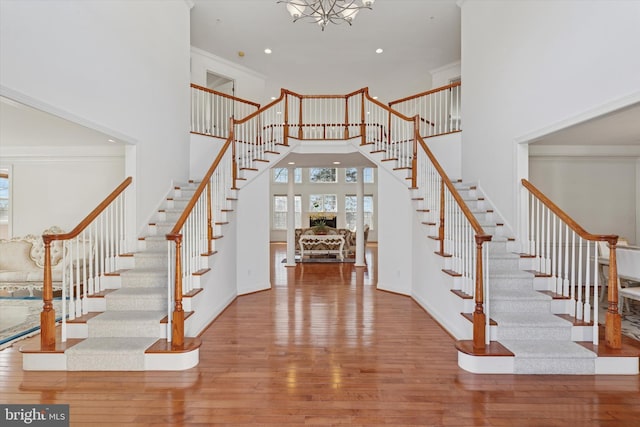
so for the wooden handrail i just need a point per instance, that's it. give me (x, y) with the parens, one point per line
(613, 321)
(47, 316)
(611, 239)
(261, 109)
(429, 92)
(92, 216)
(477, 228)
(224, 95)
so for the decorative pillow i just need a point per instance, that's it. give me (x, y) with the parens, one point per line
(37, 249)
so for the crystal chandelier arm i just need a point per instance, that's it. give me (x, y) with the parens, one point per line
(324, 11)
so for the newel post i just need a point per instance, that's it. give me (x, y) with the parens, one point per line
(209, 219)
(48, 314)
(300, 123)
(363, 126)
(613, 322)
(286, 119)
(178, 313)
(346, 117)
(479, 316)
(442, 216)
(414, 156)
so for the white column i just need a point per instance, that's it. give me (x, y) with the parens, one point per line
(291, 219)
(360, 217)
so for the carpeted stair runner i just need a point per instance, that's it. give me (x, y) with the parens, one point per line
(540, 340)
(117, 339)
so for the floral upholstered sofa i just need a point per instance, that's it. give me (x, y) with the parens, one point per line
(22, 265)
(349, 236)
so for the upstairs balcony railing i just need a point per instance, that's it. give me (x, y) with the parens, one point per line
(439, 110)
(211, 110)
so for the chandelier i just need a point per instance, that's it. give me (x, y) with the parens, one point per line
(325, 11)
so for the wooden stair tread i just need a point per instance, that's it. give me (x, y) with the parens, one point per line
(461, 294)
(451, 273)
(469, 317)
(494, 348)
(187, 314)
(162, 346)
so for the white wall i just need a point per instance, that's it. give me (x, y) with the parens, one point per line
(527, 65)
(441, 76)
(395, 213)
(66, 183)
(249, 85)
(252, 219)
(571, 183)
(340, 189)
(121, 67)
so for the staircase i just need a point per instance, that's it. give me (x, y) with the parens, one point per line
(125, 329)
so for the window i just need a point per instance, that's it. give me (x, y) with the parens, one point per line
(281, 175)
(280, 211)
(351, 175)
(351, 210)
(323, 175)
(4, 197)
(323, 203)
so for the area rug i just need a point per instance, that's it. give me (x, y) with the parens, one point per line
(630, 319)
(322, 259)
(20, 318)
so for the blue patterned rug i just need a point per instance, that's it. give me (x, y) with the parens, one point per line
(20, 318)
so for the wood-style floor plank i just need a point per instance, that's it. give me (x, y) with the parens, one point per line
(324, 347)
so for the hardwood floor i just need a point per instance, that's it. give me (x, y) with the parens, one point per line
(324, 347)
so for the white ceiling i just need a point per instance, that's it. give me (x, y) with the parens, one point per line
(619, 128)
(417, 36)
(24, 126)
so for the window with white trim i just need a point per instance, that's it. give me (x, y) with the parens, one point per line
(280, 210)
(281, 175)
(323, 175)
(323, 203)
(351, 175)
(351, 210)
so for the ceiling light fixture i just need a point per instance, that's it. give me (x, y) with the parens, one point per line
(324, 12)
(267, 51)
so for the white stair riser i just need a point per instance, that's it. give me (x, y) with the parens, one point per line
(554, 366)
(521, 283)
(519, 306)
(142, 304)
(533, 333)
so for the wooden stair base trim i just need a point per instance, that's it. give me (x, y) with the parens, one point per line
(574, 321)
(261, 160)
(494, 348)
(192, 293)
(271, 152)
(377, 151)
(630, 347)
(84, 317)
(101, 294)
(392, 159)
(523, 255)
(538, 273)
(226, 210)
(434, 238)
(217, 237)
(452, 273)
(443, 254)
(231, 199)
(201, 272)
(417, 199)
(469, 317)
(428, 223)
(423, 210)
(127, 255)
(165, 319)
(209, 253)
(461, 294)
(249, 169)
(221, 222)
(60, 347)
(554, 295)
(402, 168)
(116, 273)
(163, 346)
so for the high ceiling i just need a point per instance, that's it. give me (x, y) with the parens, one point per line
(417, 36)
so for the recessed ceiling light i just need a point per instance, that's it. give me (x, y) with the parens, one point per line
(375, 97)
(336, 163)
(278, 112)
(291, 163)
(267, 51)
(110, 140)
(378, 50)
(273, 98)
